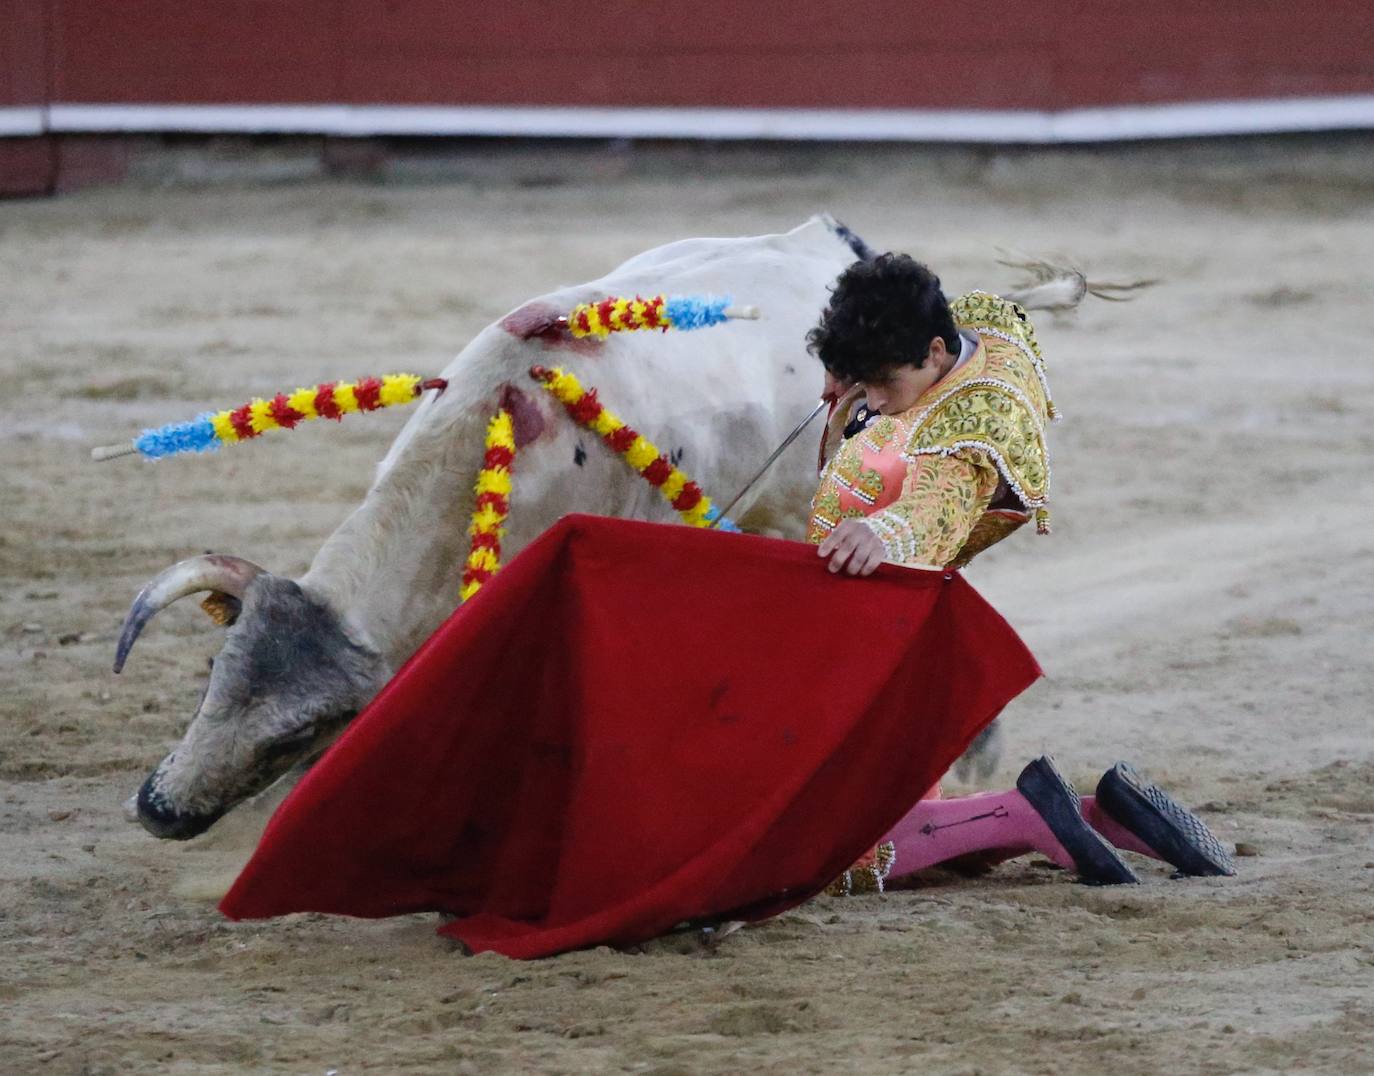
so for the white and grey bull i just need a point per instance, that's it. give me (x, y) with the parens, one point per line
(304, 656)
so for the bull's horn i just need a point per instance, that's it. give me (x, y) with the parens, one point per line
(213, 571)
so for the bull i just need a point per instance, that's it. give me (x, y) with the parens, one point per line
(302, 657)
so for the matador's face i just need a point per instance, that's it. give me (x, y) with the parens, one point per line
(897, 388)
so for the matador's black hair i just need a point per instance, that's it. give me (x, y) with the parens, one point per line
(882, 313)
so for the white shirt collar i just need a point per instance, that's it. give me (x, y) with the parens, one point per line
(968, 344)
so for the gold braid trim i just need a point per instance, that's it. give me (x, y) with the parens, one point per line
(867, 875)
(991, 315)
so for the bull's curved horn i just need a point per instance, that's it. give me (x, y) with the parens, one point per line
(213, 571)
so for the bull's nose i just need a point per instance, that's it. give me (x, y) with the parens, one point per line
(160, 819)
(131, 808)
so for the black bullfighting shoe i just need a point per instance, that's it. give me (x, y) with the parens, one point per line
(1177, 835)
(1054, 800)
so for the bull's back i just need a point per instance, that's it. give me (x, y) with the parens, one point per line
(718, 399)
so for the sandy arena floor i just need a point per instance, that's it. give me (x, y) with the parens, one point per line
(1204, 608)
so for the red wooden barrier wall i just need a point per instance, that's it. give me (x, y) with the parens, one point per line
(863, 54)
(26, 160)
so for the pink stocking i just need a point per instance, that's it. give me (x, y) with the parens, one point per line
(1116, 833)
(1000, 824)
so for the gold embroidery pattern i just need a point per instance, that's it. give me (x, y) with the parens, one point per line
(991, 315)
(998, 420)
(878, 436)
(990, 529)
(941, 501)
(867, 875)
(847, 472)
(982, 308)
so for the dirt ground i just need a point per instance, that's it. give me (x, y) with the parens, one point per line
(1204, 609)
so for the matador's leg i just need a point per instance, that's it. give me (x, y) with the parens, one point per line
(1042, 814)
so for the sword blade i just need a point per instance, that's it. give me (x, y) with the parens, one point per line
(724, 512)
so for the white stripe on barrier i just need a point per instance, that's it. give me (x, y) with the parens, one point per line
(21, 122)
(199, 119)
(1117, 123)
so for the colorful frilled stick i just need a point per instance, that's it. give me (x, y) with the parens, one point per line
(333, 399)
(639, 452)
(662, 312)
(493, 505)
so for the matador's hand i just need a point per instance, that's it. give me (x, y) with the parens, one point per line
(834, 388)
(854, 548)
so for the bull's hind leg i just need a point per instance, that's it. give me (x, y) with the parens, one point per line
(981, 757)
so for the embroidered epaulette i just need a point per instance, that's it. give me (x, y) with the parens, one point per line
(996, 404)
(991, 315)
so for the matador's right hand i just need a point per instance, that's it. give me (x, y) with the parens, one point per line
(854, 548)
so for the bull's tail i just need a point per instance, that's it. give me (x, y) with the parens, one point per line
(1062, 287)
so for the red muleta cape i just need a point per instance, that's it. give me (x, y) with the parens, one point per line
(633, 725)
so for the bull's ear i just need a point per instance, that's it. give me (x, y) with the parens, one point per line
(222, 608)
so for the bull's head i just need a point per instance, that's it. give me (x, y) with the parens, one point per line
(287, 681)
